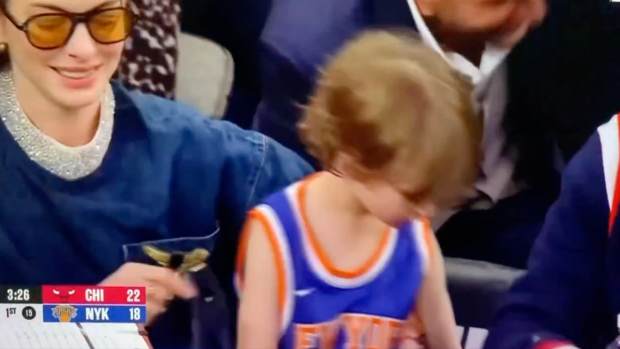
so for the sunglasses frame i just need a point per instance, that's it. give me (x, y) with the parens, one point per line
(76, 18)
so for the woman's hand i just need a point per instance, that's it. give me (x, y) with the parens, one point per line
(162, 285)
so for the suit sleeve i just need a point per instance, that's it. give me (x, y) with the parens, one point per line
(551, 306)
(285, 87)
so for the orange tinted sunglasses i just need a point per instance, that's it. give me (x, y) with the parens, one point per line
(53, 30)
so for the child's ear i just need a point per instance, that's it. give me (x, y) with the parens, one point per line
(342, 163)
(347, 165)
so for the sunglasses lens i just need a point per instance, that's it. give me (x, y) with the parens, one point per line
(110, 26)
(49, 31)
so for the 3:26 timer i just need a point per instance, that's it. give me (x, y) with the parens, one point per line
(18, 295)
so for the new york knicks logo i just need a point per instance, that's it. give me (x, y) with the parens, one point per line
(64, 312)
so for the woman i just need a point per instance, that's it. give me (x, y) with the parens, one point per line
(90, 173)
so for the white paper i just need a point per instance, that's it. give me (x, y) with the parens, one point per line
(114, 336)
(30, 335)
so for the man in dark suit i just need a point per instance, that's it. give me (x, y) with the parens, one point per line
(542, 87)
(236, 25)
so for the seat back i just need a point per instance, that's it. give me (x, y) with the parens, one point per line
(476, 289)
(204, 75)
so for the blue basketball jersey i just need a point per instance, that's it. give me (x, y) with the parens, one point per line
(323, 307)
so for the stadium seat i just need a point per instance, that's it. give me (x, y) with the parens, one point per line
(476, 289)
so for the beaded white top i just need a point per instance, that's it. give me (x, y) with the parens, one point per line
(69, 163)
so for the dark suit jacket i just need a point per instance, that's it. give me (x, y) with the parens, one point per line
(236, 25)
(563, 78)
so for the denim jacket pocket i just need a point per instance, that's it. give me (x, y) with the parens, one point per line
(179, 246)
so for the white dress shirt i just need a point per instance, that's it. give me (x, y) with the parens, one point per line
(490, 96)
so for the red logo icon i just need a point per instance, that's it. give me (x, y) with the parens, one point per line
(65, 295)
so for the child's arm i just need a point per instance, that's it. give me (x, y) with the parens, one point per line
(259, 318)
(433, 305)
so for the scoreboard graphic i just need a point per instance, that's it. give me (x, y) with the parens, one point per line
(73, 303)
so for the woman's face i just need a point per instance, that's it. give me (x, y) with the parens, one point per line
(69, 77)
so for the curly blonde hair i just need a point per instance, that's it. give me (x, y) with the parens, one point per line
(387, 100)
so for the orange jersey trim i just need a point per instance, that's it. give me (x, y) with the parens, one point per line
(320, 252)
(278, 254)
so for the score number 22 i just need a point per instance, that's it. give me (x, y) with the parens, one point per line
(133, 296)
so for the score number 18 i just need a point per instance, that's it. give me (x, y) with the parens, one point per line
(134, 296)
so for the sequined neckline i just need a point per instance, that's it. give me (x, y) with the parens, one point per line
(69, 163)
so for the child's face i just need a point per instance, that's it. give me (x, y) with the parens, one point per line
(392, 202)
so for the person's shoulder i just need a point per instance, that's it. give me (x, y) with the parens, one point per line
(176, 123)
(601, 151)
(154, 110)
(591, 174)
(292, 21)
(305, 32)
(166, 117)
(287, 195)
(600, 156)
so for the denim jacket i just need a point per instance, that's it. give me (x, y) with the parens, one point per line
(170, 178)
